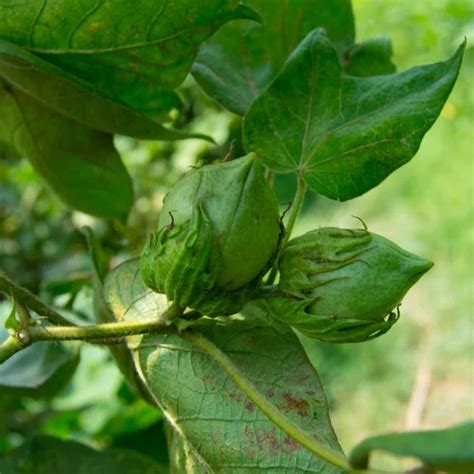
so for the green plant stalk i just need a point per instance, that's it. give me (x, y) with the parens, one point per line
(294, 212)
(23, 314)
(31, 301)
(27, 336)
(302, 437)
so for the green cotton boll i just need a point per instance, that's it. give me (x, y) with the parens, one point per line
(218, 233)
(342, 285)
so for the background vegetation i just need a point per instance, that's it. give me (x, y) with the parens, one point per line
(419, 375)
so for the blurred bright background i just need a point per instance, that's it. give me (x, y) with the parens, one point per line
(419, 375)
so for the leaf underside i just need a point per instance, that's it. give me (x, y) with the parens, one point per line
(217, 428)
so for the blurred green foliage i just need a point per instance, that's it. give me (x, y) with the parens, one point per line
(416, 376)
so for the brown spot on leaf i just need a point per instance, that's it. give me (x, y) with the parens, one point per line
(269, 442)
(270, 393)
(249, 406)
(210, 381)
(236, 396)
(291, 444)
(295, 404)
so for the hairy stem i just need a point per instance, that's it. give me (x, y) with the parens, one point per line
(27, 336)
(302, 437)
(294, 211)
(26, 298)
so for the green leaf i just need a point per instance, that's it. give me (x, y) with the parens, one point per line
(448, 450)
(132, 52)
(39, 371)
(74, 98)
(127, 296)
(182, 456)
(202, 403)
(80, 164)
(101, 311)
(236, 65)
(344, 134)
(370, 58)
(44, 455)
(11, 323)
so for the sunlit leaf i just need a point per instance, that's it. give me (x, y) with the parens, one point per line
(127, 296)
(344, 134)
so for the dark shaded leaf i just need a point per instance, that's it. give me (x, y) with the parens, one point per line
(370, 58)
(344, 134)
(104, 314)
(132, 52)
(44, 455)
(448, 450)
(238, 63)
(39, 371)
(80, 164)
(74, 98)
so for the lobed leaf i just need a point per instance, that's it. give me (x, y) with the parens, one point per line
(448, 450)
(236, 65)
(80, 164)
(344, 134)
(131, 52)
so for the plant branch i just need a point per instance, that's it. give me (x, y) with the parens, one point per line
(294, 212)
(27, 336)
(26, 298)
(302, 437)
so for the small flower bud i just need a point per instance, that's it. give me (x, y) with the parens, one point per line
(342, 285)
(224, 234)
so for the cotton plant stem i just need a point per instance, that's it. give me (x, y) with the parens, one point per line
(294, 210)
(28, 299)
(27, 336)
(296, 433)
(293, 215)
